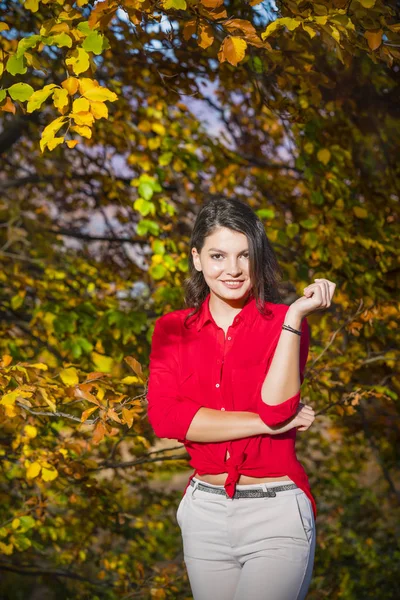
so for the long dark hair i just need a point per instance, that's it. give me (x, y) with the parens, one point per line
(265, 272)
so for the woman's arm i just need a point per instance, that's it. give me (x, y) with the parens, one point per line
(280, 391)
(211, 425)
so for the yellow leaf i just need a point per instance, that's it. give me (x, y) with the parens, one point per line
(60, 98)
(128, 416)
(100, 94)
(83, 118)
(291, 24)
(10, 398)
(80, 105)
(309, 147)
(102, 363)
(86, 413)
(232, 50)
(72, 143)
(69, 376)
(324, 155)
(6, 548)
(6, 359)
(33, 470)
(79, 61)
(360, 212)
(10, 412)
(32, 5)
(84, 131)
(311, 32)
(51, 144)
(85, 84)
(4, 27)
(40, 366)
(48, 400)
(206, 36)
(15, 524)
(30, 431)
(374, 38)
(99, 110)
(71, 85)
(130, 379)
(158, 128)
(49, 474)
(50, 131)
(367, 3)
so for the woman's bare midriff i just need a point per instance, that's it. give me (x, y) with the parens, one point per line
(220, 478)
(243, 479)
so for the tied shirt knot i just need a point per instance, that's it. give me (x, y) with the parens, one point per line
(234, 465)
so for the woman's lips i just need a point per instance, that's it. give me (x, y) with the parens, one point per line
(234, 285)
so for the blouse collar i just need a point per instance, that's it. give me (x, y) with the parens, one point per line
(247, 314)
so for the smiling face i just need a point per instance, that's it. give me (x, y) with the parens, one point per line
(224, 261)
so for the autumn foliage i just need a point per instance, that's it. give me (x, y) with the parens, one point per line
(117, 121)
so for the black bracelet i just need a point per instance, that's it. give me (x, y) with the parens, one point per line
(288, 328)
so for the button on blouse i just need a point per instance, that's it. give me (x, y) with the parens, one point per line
(193, 365)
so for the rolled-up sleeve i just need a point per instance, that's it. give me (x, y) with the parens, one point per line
(274, 414)
(168, 412)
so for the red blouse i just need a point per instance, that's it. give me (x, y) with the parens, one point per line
(197, 366)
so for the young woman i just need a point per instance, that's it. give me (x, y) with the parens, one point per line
(225, 376)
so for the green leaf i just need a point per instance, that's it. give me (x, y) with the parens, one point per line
(292, 230)
(165, 159)
(83, 27)
(158, 247)
(158, 271)
(20, 91)
(146, 226)
(37, 98)
(60, 40)
(317, 198)
(143, 206)
(26, 523)
(265, 213)
(309, 223)
(16, 65)
(26, 43)
(3, 94)
(94, 42)
(146, 190)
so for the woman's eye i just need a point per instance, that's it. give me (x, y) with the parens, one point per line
(214, 255)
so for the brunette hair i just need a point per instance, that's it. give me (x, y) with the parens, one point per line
(265, 272)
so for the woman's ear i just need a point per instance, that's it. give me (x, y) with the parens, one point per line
(196, 259)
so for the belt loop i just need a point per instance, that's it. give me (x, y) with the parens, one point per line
(194, 487)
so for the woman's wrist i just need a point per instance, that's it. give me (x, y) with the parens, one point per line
(282, 428)
(293, 319)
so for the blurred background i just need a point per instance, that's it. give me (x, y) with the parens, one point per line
(118, 120)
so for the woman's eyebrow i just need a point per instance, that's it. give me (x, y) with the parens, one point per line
(223, 251)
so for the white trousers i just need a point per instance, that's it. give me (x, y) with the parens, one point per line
(247, 548)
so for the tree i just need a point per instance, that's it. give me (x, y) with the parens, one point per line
(105, 161)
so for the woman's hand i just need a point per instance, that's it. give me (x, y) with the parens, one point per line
(302, 420)
(317, 296)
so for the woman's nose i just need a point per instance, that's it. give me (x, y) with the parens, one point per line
(234, 268)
